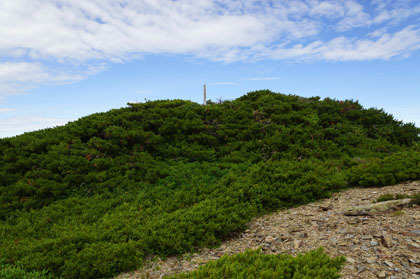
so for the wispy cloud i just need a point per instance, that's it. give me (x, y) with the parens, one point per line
(264, 78)
(6, 109)
(17, 125)
(16, 77)
(223, 83)
(60, 41)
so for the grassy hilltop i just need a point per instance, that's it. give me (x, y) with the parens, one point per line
(93, 198)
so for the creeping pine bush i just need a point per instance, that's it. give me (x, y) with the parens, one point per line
(95, 197)
(385, 197)
(416, 198)
(13, 272)
(254, 264)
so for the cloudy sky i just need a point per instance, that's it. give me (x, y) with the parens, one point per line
(63, 59)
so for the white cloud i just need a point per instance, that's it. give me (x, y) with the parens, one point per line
(16, 77)
(264, 78)
(22, 72)
(6, 109)
(355, 16)
(388, 45)
(59, 41)
(327, 9)
(223, 83)
(17, 125)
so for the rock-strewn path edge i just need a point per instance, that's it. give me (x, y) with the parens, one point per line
(385, 245)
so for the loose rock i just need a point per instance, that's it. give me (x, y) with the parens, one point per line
(386, 240)
(376, 245)
(376, 208)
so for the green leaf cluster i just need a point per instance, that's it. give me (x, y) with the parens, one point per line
(415, 198)
(14, 272)
(254, 264)
(97, 196)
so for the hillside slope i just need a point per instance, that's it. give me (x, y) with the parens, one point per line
(375, 246)
(95, 197)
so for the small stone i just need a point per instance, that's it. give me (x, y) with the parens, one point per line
(353, 221)
(361, 268)
(406, 265)
(371, 260)
(386, 240)
(414, 270)
(351, 260)
(297, 244)
(388, 263)
(364, 248)
(374, 243)
(384, 253)
(413, 247)
(416, 232)
(382, 274)
(349, 236)
(304, 235)
(342, 231)
(269, 239)
(342, 243)
(326, 208)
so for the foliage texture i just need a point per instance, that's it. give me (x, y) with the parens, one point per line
(252, 264)
(93, 198)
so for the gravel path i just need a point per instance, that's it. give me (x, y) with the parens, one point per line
(385, 245)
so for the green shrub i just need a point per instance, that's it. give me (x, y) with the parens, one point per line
(394, 168)
(401, 196)
(13, 272)
(416, 198)
(254, 264)
(388, 197)
(95, 197)
(385, 197)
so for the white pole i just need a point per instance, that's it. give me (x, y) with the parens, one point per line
(205, 100)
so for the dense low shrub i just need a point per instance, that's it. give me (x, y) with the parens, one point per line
(93, 198)
(385, 197)
(254, 264)
(13, 272)
(416, 198)
(399, 166)
(388, 197)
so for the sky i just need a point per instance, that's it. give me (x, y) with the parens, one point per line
(64, 59)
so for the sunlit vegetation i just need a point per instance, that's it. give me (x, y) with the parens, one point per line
(255, 265)
(389, 197)
(95, 197)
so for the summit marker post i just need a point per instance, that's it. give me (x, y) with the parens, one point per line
(205, 99)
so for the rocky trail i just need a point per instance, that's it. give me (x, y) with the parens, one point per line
(382, 244)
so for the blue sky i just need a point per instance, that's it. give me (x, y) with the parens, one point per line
(64, 59)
